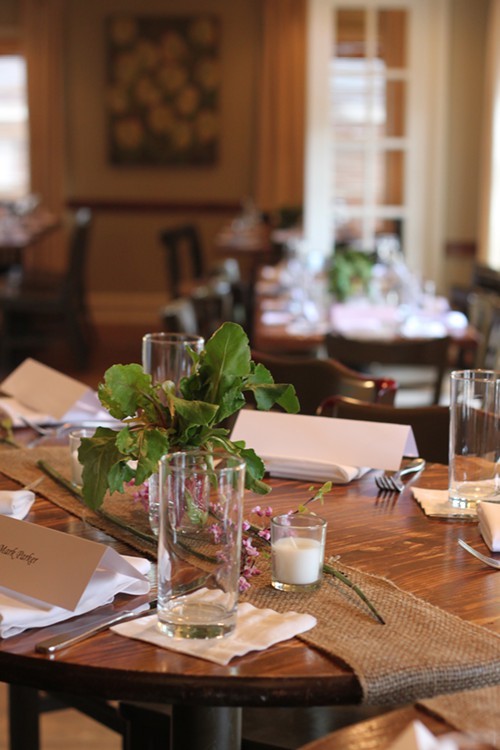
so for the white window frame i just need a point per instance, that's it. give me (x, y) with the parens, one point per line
(424, 208)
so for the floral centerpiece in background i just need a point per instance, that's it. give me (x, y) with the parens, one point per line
(350, 272)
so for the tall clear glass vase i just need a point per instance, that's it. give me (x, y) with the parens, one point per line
(165, 356)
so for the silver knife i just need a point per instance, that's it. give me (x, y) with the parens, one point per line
(77, 634)
(80, 633)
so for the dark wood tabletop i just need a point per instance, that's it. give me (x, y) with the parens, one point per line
(388, 536)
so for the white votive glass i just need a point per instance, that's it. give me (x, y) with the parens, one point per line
(75, 437)
(474, 460)
(297, 551)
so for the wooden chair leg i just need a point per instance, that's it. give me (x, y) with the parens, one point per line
(145, 728)
(24, 714)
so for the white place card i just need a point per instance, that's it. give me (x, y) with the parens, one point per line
(40, 393)
(299, 438)
(52, 566)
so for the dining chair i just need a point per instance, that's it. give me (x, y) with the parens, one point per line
(430, 424)
(378, 732)
(410, 354)
(483, 311)
(187, 270)
(185, 262)
(44, 306)
(201, 312)
(315, 379)
(178, 316)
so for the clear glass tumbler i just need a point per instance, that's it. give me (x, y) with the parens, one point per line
(474, 460)
(201, 501)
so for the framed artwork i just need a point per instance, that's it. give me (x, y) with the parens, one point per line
(163, 90)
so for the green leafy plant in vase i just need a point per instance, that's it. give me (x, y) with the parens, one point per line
(157, 421)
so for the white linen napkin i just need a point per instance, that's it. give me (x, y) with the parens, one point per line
(313, 471)
(416, 736)
(16, 503)
(256, 630)
(436, 503)
(489, 524)
(18, 612)
(80, 412)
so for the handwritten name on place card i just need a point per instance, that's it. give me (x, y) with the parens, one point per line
(52, 566)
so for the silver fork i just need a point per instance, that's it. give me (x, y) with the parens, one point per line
(484, 558)
(392, 482)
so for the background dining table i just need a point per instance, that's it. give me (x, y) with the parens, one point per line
(382, 535)
(280, 327)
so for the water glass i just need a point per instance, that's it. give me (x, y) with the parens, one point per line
(201, 500)
(75, 437)
(165, 356)
(474, 460)
(297, 551)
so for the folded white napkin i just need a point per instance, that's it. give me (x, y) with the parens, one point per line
(436, 503)
(313, 471)
(256, 629)
(416, 736)
(80, 412)
(275, 317)
(16, 504)
(489, 524)
(18, 612)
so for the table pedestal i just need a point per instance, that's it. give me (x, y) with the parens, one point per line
(205, 728)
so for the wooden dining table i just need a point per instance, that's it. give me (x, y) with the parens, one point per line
(385, 535)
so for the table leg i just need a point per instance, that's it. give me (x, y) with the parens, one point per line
(205, 728)
(24, 710)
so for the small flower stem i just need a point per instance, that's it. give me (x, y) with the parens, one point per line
(342, 577)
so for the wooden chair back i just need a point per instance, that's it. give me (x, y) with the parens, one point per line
(184, 259)
(399, 351)
(315, 379)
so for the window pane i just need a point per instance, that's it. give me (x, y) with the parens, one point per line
(393, 122)
(391, 41)
(351, 34)
(350, 100)
(350, 170)
(14, 174)
(390, 178)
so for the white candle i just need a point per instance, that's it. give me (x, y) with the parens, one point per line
(297, 560)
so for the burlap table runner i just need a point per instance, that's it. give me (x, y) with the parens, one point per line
(421, 651)
(21, 465)
(473, 711)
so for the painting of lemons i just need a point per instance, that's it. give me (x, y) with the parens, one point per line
(163, 90)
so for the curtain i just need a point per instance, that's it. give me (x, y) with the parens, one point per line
(281, 106)
(489, 233)
(42, 23)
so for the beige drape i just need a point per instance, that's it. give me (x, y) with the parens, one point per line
(489, 230)
(43, 39)
(281, 106)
